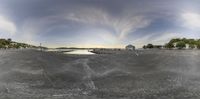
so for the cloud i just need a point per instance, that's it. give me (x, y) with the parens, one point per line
(34, 27)
(191, 20)
(165, 37)
(87, 25)
(121, 25)
(98, 22)
(7, 26)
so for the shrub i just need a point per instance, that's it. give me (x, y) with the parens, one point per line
(191, 46)
(149, 46)
(198, 45)
(180, 45)
(169, 45)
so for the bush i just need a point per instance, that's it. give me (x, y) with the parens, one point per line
(144, 47)
(192, 46)
(169, 45)
(198, 45)
(174, 40)
(180, 45)
(149, 46)
(2, 46)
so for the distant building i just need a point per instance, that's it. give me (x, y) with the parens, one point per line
(130, 47)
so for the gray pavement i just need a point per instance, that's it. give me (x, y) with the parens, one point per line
(148, 74)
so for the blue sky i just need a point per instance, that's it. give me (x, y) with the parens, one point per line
(98, 23)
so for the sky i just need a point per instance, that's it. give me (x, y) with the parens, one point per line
(98, 23)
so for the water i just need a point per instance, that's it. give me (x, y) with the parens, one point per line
(59, 50)
(72, 51)
(79, 52)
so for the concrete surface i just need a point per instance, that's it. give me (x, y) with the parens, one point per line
(148, 74)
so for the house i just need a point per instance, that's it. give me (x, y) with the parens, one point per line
(130, 47)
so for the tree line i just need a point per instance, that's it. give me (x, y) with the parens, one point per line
(8, 43)
(179, 43)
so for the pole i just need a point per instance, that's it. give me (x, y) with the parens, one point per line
(40, 46)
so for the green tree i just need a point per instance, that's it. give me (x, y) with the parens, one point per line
(149, 46)
(180, 44)
(191, 41)
(174, 40)
(9, 40)
(2, 46)
(169, 45)
(185, 40)
(144, 47)
(198, 44)
(192, 46)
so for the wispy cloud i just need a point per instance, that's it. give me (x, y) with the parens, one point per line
(121, 25)
(99, 22)
(97, 25)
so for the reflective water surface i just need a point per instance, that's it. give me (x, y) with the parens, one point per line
(79, 52)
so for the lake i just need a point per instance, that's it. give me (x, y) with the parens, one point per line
(72, 51)
(80, 52)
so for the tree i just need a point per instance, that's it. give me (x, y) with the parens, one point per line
(149, 46)
(157, 46)
(191, 41)
(180, 45)
(198, 44)
(9, 40)
(2, 46)
(192, 46)
(144, 47)
(169, 45)
(185, 40)
(174, 40)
